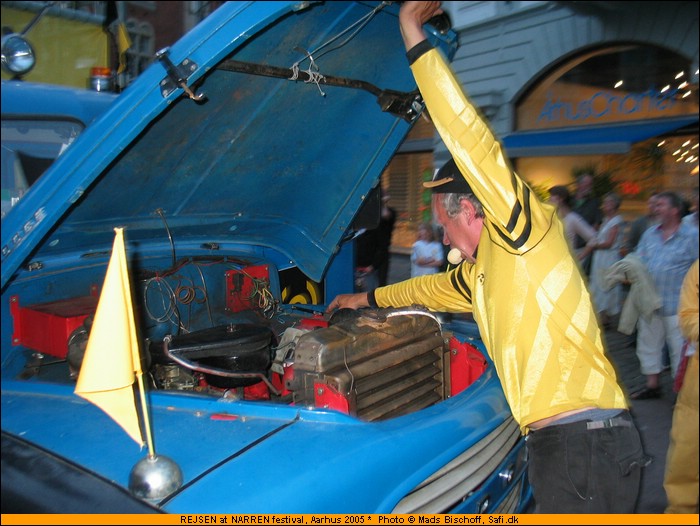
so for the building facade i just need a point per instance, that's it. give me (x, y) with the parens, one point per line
(572, 86)
(568, 86)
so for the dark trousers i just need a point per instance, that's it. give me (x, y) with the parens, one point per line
(586, 467)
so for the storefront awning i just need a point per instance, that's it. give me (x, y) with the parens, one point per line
(590, 140)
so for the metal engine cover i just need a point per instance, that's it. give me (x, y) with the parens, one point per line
(231, 355)
(385, 363)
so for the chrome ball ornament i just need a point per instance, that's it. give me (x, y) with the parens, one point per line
(154, 478)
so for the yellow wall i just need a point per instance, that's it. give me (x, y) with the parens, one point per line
(65, 49)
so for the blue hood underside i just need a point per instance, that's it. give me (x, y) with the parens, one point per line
(300, 113)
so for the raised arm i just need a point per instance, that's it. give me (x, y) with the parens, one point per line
(412, 16)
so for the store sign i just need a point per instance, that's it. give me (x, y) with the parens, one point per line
(605, 105)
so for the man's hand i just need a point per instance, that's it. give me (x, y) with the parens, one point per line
(348, 301)
(412, 16)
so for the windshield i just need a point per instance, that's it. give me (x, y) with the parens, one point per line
(29, 147)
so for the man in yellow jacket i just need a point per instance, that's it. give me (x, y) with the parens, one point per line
(529, 299)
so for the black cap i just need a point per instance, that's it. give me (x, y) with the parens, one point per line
(449, 180)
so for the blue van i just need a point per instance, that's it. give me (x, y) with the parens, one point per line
(231, 172)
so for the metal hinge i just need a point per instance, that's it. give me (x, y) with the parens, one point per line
(177, 75)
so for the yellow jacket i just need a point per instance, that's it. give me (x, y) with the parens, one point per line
(688, 306)
(525, 290)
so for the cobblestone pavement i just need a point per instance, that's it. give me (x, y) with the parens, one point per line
(653, 417)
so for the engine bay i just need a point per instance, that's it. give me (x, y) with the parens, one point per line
(219, 328)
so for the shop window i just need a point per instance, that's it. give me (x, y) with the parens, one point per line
(619, 87)
(403, 181)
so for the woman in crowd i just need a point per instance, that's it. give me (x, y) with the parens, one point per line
(574, 224)
(605, 250)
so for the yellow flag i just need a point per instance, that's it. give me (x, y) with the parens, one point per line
(123, 43)
(112, 357)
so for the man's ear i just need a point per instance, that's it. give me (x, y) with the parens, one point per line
(468, 208)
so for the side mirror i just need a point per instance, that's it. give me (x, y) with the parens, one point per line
(18, 56)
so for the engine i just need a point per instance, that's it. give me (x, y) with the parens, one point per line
(374, 364)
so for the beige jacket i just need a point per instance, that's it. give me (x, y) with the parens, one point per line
(642, 300)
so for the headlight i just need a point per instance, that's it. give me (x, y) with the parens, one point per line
(17, 54)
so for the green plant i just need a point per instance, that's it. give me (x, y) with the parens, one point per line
(541, 190)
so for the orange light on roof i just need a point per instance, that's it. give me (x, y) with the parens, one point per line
(100, 71)
(101, 78)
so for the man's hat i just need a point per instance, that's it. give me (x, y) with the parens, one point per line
(448, 180)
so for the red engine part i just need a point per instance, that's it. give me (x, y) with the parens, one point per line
(246, 288)
(327, 397)
(312, 323)
(46, 327)
(280, 381)
(258, 391)
(466, 365)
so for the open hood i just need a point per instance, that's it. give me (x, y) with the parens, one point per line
(293, 112)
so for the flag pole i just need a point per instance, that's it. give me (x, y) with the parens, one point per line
(146, 419)
(154, 477)
(111, 363)
(135, 345)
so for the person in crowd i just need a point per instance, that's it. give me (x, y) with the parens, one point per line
(668, 250)
(588, 206)
(427, 255)
(366, 275)
(681, 475)
(638, 227)
(605, 252)
(529, 299)
(574, 225)
(372, 250)
(387, 220)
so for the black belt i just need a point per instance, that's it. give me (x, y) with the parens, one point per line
(618, 421)
(622, 420)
